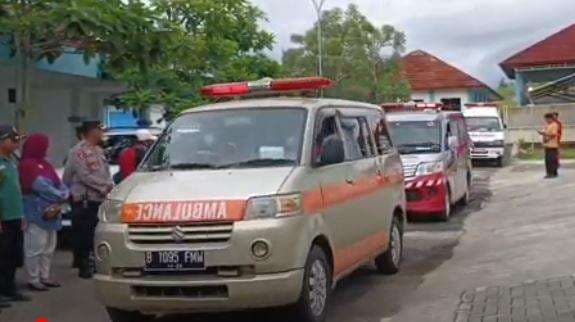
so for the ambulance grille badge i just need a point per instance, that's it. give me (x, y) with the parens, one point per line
(178, 234)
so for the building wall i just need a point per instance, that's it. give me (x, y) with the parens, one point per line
(523, 123)
(55, 98)
(437, 95)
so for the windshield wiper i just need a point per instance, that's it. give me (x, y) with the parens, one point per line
(260, 163)
(191, 166)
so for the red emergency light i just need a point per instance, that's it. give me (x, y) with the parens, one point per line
(266, 86)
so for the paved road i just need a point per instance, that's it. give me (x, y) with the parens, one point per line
(364, 296)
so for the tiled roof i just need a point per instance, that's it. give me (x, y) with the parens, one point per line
(557, 49)
(427, 72)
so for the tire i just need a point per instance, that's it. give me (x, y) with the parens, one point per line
(117, 315)
(500, 162)
(316, 289)
(464, 201)
(446, 214)
(389, 262)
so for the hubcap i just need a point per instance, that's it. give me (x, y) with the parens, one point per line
(395, 245)
(317, 287)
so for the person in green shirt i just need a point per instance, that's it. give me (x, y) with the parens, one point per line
(12, 224)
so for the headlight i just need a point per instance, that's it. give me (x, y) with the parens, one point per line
(111, 211)
(429, 168)
(273, 206)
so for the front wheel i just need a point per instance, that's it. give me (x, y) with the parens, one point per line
(388, 262)
(316, 289)
(446, 213)
(117, 315)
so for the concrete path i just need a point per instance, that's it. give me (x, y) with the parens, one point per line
(524, 239)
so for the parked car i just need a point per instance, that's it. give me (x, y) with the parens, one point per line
(253, 203)
(434, 147)
(487, 131)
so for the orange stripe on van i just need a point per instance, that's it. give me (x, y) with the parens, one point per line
(330, 195)
(347, 258)
(167, 212)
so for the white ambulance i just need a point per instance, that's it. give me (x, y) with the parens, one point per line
(487, 131)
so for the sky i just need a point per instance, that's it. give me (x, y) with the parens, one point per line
(474, 35)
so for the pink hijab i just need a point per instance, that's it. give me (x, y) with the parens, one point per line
(33, 163)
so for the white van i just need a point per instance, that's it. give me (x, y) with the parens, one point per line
(487, 131)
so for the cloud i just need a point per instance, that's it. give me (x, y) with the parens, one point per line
(474, 35)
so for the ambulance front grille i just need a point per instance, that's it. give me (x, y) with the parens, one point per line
(409, 170)
(183, 234)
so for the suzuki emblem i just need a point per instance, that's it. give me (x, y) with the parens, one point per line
(178, 234)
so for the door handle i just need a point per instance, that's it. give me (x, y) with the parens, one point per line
(349, 180)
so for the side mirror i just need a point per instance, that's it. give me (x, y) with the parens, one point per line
(332, 151)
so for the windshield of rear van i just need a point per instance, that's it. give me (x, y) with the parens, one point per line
(416, 136)
(483, 124)
(262, 137)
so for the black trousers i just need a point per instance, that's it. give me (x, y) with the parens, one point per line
(11, 255)
(84, 222)
(551, 161)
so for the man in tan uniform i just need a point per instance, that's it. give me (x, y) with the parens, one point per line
(88, 176)
(551, 144)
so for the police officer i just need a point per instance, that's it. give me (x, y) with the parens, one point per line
(88, 176)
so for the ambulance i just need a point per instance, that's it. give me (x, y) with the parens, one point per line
(434, 147)
(253, 202)
(487, 131)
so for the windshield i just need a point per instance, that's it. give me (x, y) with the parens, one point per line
(483, 124)
(416, 136)
(231, 138)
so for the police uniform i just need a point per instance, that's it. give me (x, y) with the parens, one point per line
(88, 176)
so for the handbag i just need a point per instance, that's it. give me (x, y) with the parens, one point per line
(52, 212)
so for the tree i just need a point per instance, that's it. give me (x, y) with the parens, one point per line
(46, 29)
(507, 91)
(218, 41)
(363, 59)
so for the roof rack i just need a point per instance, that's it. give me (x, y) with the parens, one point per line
(413, 106)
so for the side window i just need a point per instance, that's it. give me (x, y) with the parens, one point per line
(328, 147)
(380, 133)
(369, 150)
(355, 144)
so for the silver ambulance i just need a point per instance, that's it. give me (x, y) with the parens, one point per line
(253, 203)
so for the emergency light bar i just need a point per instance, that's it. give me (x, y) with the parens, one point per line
(265, 86)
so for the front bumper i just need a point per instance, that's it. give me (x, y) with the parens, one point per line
(487, 153)
(260, 291)
(276, 280)
(426, 195)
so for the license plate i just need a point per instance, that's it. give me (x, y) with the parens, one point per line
(480, 151)
(66, 223)
(174, 261)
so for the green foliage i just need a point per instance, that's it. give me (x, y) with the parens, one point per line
(164, 50)
(507, 91)
(362, 58)
(216, 41)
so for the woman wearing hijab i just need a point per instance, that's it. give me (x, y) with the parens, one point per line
(44, 193)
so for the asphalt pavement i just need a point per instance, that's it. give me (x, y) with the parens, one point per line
(516, 230)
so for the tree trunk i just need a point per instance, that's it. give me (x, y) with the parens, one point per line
(23, 70)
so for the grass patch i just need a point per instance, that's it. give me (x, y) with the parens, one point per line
(527, 152)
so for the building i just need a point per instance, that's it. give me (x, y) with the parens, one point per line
(63, 94)
(550, 60)
(433, 80)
